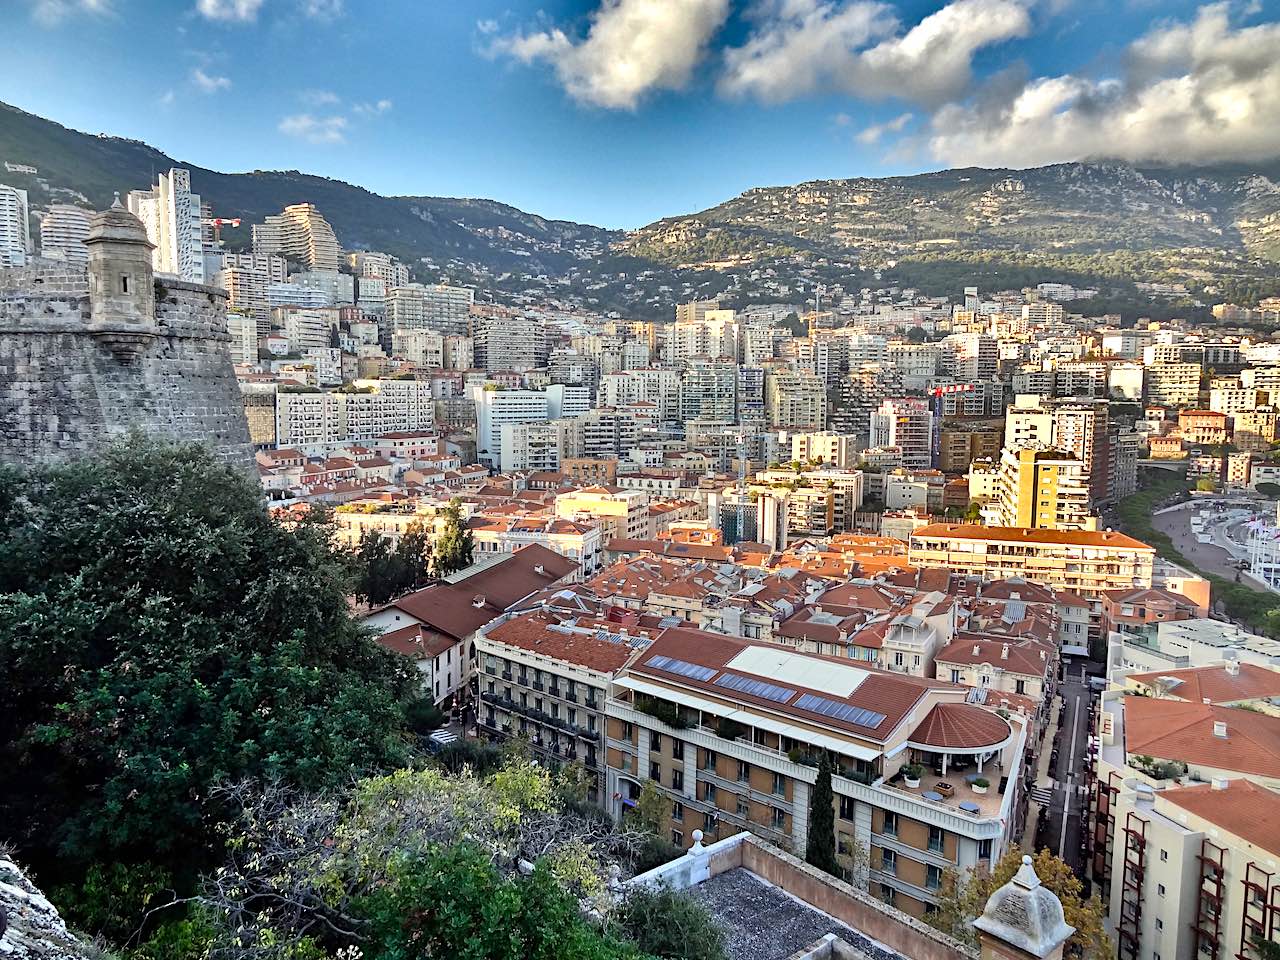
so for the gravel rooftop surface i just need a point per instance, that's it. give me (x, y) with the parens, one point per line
(763, 922)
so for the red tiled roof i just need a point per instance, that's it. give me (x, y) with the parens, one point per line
(1075, 538)
(538, 633)
(1242, 808)
(1177, 730)
(960, 726)
(414, 641)
(1215, 684)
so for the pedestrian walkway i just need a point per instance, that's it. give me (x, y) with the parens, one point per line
(1041, 795)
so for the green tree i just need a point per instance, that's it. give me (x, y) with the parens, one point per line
(160, 633)
(1206, 485)
(820, 850)
(669, 924)
(651, 808)
(384, 573)
(453, 546)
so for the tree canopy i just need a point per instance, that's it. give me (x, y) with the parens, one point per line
(820, 850)
(160, 633)
(453, 546)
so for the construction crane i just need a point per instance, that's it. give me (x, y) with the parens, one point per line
(218, 223)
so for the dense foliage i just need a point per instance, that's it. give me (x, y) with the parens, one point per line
(160, 634)
(383, 571)
(668, 924)
(454, 545)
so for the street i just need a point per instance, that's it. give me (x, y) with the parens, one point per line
(1067, 784)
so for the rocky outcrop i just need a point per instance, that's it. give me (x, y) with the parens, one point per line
(30, 928)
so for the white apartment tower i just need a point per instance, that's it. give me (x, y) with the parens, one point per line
(300, 233)
(15, 227)
(906, 423)
(63, 230)
(171, 214)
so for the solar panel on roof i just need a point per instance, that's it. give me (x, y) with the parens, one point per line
(681, 667)
(840, 711)
(756, 688)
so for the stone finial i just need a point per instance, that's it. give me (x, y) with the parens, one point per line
(1026, 915)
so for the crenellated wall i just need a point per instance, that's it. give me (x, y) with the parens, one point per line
(69, 385)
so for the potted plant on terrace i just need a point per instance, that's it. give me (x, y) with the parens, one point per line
(980, 785)
(911, 775)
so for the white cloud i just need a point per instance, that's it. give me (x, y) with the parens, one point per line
(323, 9)
(372, 109)
(319, 98)
(209, 83)
(859, 48)
(313, 129)
(50, 13)
(167, 99)
(632, 47)
(240, 11)
(873, 133)
(1198, 92)
(487, 26)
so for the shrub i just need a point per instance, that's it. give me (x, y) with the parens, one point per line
(668, 924)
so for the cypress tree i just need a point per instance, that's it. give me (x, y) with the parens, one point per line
(821, 848)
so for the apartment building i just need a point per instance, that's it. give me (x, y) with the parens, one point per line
(510, 343)
(1204, 427)
(15, 227)
(439, 307)
(908, 425)
(539, 445)
(1173, 384)
(496, 408)
(1040, 488)
(795, 400)
(301, 234)
(510, 532)
(836, 449)
(63, 230)
(317, 422)
(622, 513)
(730, 732)
(544, 677)
(379, 266)
(709, 391)
(1083, 561)
(170, 212)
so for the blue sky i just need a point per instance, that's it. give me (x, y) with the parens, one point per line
(618, 112)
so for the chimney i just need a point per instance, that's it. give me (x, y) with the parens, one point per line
(975, 649)
(478, 601)
(1220, 783)
(1233, 668)
(540, 570)
(1004, 651)
(1220, 729)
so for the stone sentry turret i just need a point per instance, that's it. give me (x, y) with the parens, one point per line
(89, 354)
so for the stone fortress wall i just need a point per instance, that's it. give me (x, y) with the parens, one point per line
(87, 355)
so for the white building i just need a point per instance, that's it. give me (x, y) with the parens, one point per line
(494, 408)
(319, 422)
(300, 232)
(171, 214)
(908, 425)
(15, 227)
(416, 306)
(63, 230)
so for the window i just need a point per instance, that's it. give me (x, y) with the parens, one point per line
(677, 838)
(1020, 686)
(677, 779)
(897, 658)
(677, 749)
(1159, 924)
(709, 792)
(933, 877)
(935, 839)
(655, 771)
(955, 676)
(889, 861)
(709, 822)
(709, 760)
(984, 849)
(779, 785)
(124, 284)
(846, 808)
(655, 742)
(779, 819)
(626, 730)
(1164, 856)
(889, 825)
(888, 894)
(1160, 889)
(744, 771)
(677, 811)
(845, 845)
(743, 809)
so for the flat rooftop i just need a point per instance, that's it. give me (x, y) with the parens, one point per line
(764, 922)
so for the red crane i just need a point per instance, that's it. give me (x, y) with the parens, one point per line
(218, 223)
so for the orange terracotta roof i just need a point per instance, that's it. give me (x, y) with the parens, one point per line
(1215, 684)
(1074, 538)
(1242, 808)
(960, 726)
(543, 634)
(1178, 730)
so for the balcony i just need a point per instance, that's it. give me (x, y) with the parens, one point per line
(554, 691)
(539, 686)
